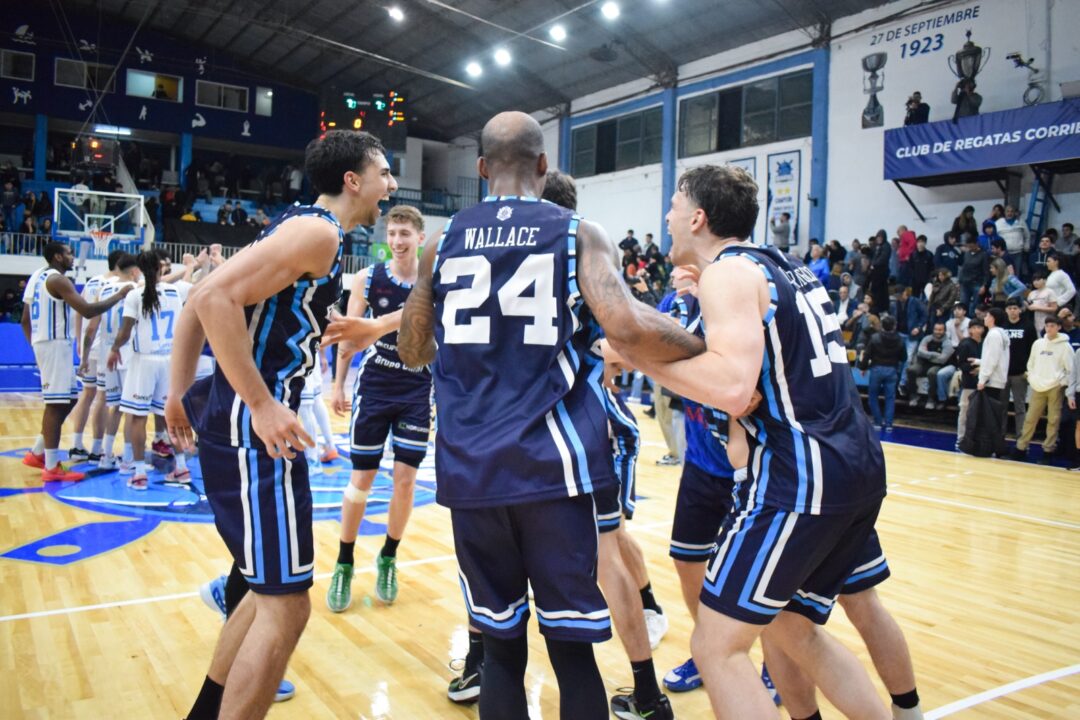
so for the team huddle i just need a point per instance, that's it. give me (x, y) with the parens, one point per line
(506, 326)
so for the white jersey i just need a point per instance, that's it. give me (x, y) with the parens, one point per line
(91, 293)
(50, 317)
(153, 333)
(109, 326)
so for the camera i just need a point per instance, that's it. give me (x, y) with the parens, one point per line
(1019, 61)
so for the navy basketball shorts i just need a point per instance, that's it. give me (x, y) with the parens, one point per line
(768, 559)
(704, 500)
(870, 569)
(408, 425)
(551, 545)
(262, 509)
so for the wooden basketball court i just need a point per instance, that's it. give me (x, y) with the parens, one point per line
(985, 556)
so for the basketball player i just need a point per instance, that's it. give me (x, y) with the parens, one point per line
(149, 321)
(263, 312)
(523, 437)
(46, 321)
(816, 475)
(86, 404)
(110, 383)
(388, 398)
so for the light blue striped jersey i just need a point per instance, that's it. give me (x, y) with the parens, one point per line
(50, 317)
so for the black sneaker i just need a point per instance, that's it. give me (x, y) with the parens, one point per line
(465, 689)
(626, 707)
(78, 455)
(93, 457)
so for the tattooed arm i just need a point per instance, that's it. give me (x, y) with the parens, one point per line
(644, 336)
(416, 337)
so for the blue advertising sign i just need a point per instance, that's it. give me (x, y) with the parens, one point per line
(1024, 136)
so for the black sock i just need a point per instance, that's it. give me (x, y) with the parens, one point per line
(475, 658)
(236, 587)
(906, 700)
(503, 679)
(209, 701)
(648, 601)
(815, 716)
(645, 688)
(389, 548)
(345, 552)
(581, 690)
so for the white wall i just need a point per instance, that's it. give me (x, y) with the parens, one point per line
(411, 164)
(461, 160)
(435, 166)
(860, 201)
(627, 199)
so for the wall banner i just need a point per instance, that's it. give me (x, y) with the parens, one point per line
(783, 196)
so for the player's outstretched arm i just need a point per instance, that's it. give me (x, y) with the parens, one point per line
(416, 338)
(734, 299)
(636, 331)
(301, 247)
(60, 287)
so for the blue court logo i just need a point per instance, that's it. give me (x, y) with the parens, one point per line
(161, 502)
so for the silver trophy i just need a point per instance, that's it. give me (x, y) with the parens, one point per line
(873, 115)
(968, 61)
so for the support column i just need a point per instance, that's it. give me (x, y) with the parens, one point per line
(668, 157)
(819, 130)
(41, 145)
(565, 140)
(185, 157)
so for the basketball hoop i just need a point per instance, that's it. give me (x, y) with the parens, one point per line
(101, 240)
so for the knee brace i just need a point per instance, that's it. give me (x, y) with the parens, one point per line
(354, 494)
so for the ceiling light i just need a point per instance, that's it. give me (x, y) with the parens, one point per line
(269, 93)
(474, 69)
(558, 33)
(395, 13)
(502, 57)
(610, 10)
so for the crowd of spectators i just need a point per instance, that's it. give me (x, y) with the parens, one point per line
(645, 268)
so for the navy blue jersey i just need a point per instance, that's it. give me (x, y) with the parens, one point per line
(382, 375)
(813, 449)
(285, 329)
(521, 413)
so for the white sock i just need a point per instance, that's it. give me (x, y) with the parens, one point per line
(159, 436)
(129, 454)
(107, 446)
(140, 467)
(52, 458)
(181, 462)
(96, 450)
(39, 445)
(322, 415)
(77, 441)
(900, 713)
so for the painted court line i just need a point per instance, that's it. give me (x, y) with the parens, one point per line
(995, 693)
(1005, 513)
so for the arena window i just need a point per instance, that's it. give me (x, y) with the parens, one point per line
(618, 144)
(220, 95)
(79, 74)
(264, 101)
(155, 86)
(15, 65)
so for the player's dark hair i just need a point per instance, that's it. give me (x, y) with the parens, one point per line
(114, 256)
(149, 263)
(727, 194)
(52, 249)
(329, 157)
(126, 261)
(560, 189)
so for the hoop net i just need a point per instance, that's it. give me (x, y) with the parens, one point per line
(101, 240)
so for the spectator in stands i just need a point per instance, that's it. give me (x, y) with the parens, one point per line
(915, 317)
(780, 227)
(295, 181)
(260, 220)
(1059, 282)
(998, 250)
(654, 259)
(160, 93)
(884, 355)
(10, 174)
(967, 365)
(1015, 234)
(1068, 243)
(836, 253)
(814, 242)
(974, 269)
(943, 296)
(857, 325)
(190, 215)
(224, 214)
(957, 326)
(964, 224)
(853, 256)
(239, 215)
(1002, 284)
(894, 260)
(843, 303)
(921, 267)
(29, 201)
(629, 242)
(917, 112)
(819, 265)
(966, 100)
(996, 213)
(879, 273)
(44, 226)
(10, 307)
(948, 254)
(933, 354)
(9, 202)
(1042, 302)
(1020, 330)
(1037, 258)
(43, 207)
(994, 363)
(989, 235)
(28, 226)
(1049, 371)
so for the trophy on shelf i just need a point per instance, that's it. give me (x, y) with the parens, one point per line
(968, 60)
(873, 115)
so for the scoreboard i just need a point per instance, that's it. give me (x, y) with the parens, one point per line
(381, 114)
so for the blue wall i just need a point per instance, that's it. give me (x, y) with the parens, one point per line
(294, 119)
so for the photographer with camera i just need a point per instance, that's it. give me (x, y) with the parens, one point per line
(966, 100)
(918, 112)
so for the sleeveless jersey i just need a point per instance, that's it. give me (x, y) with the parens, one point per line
(813, 449)
(109, 326)
(91, 292)
(521, 411)
(285, 330)
(706, 427)
(153, 332)
(382, 375)
(50, 317)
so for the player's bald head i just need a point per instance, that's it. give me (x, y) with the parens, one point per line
(512, 141)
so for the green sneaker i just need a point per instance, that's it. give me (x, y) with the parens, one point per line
(339, 596)
(386, 583)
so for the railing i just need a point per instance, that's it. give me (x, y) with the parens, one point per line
(430, 202)
(22, 243)
(350, 263)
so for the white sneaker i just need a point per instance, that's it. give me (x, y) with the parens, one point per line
(107, 463)
(126, 468)
(657, 626)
